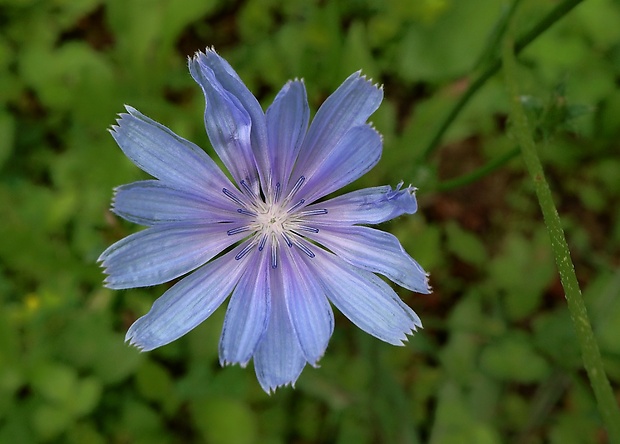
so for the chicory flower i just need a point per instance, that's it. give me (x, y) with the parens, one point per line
(265, 237)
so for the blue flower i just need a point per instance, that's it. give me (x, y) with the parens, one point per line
(264, 236)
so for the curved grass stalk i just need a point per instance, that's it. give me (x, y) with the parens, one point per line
(605, 398)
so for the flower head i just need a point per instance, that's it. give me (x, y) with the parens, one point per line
(263, 236)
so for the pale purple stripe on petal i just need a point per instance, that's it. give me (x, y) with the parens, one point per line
(152, 202)
(187, 303)
(279, 359)
(287, 122)
(163, 252)
(365, 299)
(349, 106)
(228, 125)
(308, 308)
(248, 311)
(232, 83)
(165, 155)
(353, 156)
(366, 206)
(376, 251)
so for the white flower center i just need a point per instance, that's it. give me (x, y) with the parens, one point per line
(272, 220)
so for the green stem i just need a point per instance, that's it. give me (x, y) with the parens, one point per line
(553, 16)
(591, 356)
(479, 173)
(493, 46)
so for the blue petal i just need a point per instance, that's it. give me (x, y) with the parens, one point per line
(152, 202)
(349, 106)
(287, 122)
(279, 359)
(232, 83)
(228, 123)
(308, 308)
(166, 156)
(365, 299)
(375, 251)
(353, 156)
(187, 303)
(163, 252)
(367, 206)
(248, 313)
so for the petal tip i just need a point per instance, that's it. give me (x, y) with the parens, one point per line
(271, 389)
(428, 289)
(378, 86)
(131, 341)
(131, 110)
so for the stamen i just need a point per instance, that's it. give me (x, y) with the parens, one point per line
(312, 213)
(245, 250)
(297, 205)
(287, 239)
(307, 228)
(274, 253)
(261, 244)
(238, 230)
(247, 188)
(305, 249)
(278, 191)
(246, 212)
(296, 188)
(232, 197)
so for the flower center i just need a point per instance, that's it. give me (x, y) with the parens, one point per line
(271, 220)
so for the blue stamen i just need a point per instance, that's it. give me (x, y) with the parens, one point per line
(238, 230)
(261, 245)
(274, 254)
(308, 229)
(232, 197)
(312, 213)
(278, 191)
(245, 185)
(295, 189)
(246, 212)
(305, 249)
(245, 250)
(297, 186)
(297, 205)
(287, 239)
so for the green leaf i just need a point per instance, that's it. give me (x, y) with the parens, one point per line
(86, 396)
(555, 336)
(224, 420)
(140, 424)
(85, 433)
(50, 421)
(513, 358)
(454, 421)
(466, 246)
(153, 382)
(447, 47)
(54, 381)
(521, 272)
(7, 129)
(357, 53)
(116, 360)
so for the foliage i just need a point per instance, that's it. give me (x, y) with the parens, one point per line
(498, 360)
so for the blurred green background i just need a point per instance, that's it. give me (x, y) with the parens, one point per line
(497, 361)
